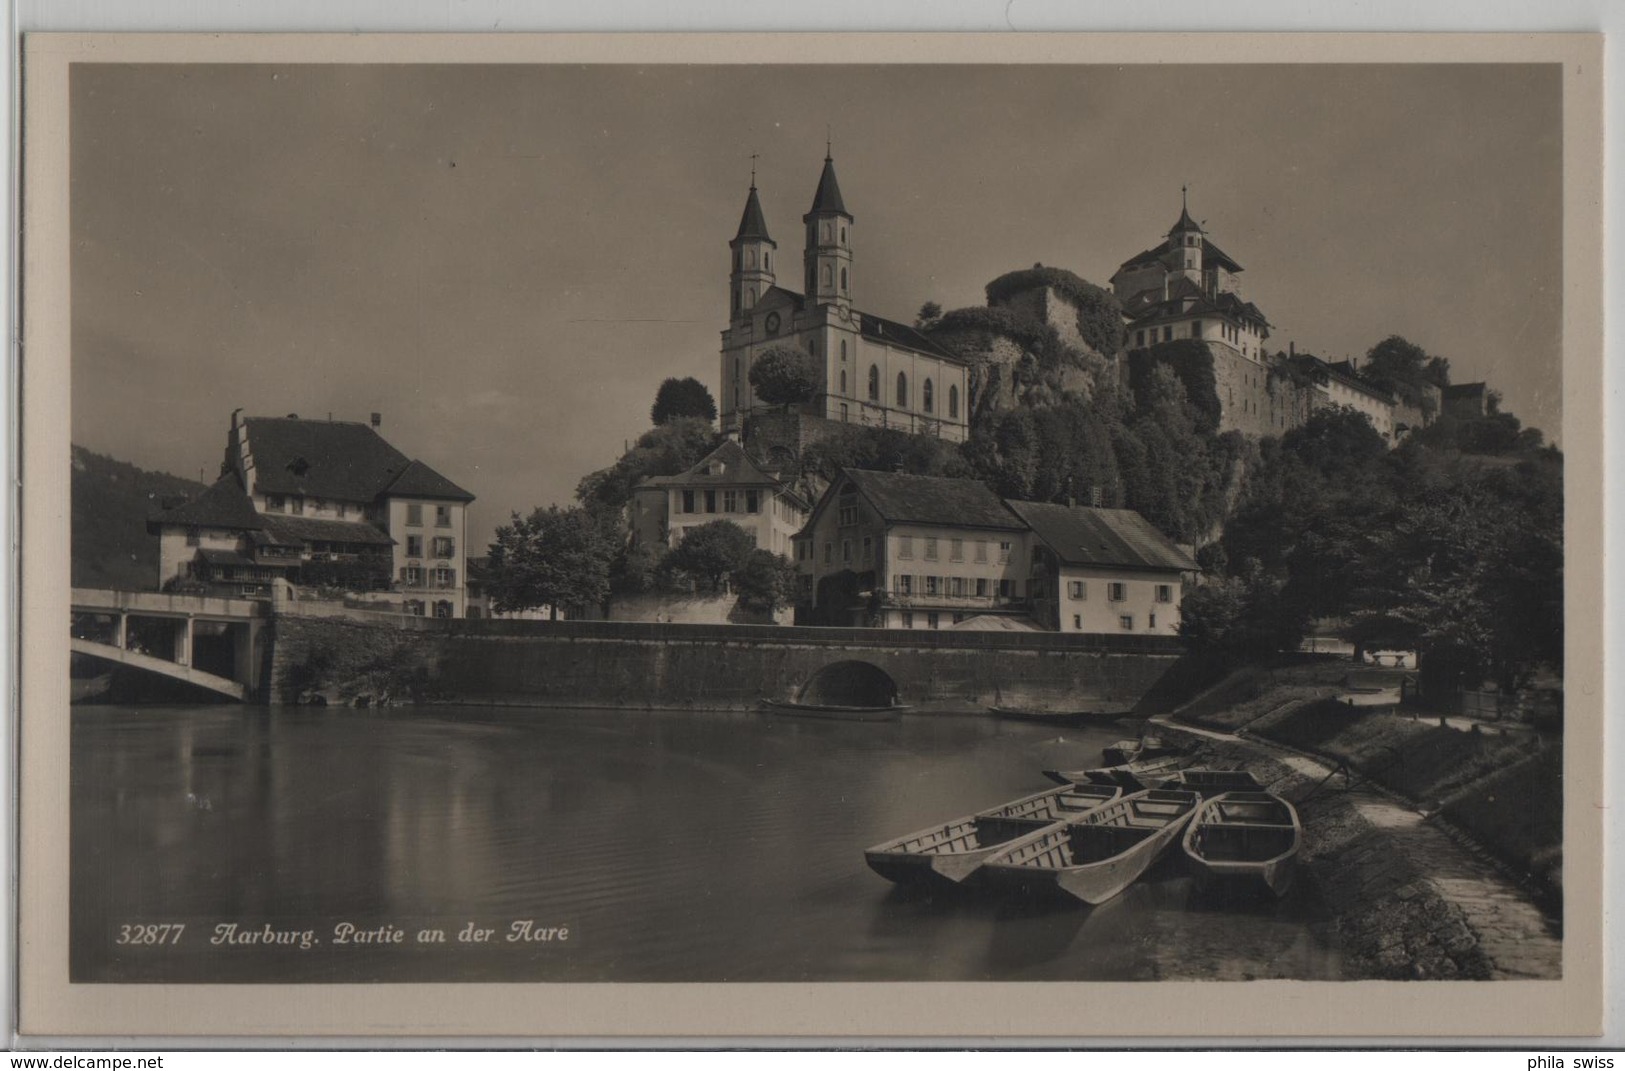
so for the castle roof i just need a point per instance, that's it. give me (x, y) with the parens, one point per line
(726, 466)
(1119, 538)
(1186, 297)
(1185, 223)
(932, 500)
(753, 224)
(1212, 257)
(1343, 372)
(828, 197)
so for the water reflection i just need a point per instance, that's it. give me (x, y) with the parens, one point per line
(676, 846)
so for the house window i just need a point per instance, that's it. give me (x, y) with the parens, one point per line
(932, 620)
(414, 607)
(902, 390)
(688, 502)
(931, 586)
(1004, 551)
(445, 578)
(1006, 589)
(1151, 621)
(1126, 622)
(710, 501)
(1075, 589)
(905, 546)
(905, 584)
(412, 576)
(956, 550)
(442, 516)
(956, 586)
(981, 550)
(930, 548)
(442, 609)
(1116, 592)
(926, 399)
(414, 514)
(275, 504)
(753, 502)
(1077, 622)
(1168, 333)
(868, 549)
(953, 401)
(297, 505)
(730, 502)
(981, 587)
(193, 537)
(445, 547)
(849, 511)
(1165, 593)
(908, 619)
(874, 383)
(414, 546)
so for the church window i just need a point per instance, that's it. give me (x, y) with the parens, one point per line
(843, 349)
(953, 401)
(874, 383)
(843, 280)
(843, 381)
(843, 235)
(750, 258)
(925, 396)
(767, 261)
(844, 414)
(902, 389)
(750, 298)
(825, 275)
(827, 233)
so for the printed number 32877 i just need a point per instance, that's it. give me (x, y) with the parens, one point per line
(165, 933)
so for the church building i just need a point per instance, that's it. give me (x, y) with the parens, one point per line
(876, 371)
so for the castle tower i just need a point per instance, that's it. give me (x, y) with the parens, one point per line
(1185, 245)
(753, 252)
(829, 243)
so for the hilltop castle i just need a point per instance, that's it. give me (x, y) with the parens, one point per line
(874, 371)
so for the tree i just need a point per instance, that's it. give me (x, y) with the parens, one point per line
(712, 551)
(685, 397)
(558, 558)
(930, 315)
(784, 375)
(766, 581)
(673, 447)
(1407, 370)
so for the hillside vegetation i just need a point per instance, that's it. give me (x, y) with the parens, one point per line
(111, 503)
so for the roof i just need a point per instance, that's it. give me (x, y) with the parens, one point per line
(998, 623)
(828, 197)
(890, 331)
(1463, 390)
(1120, 538)
(222, 505)
(1212, 257)
(726, 466)
(293, 530)
(938, 500)
(791, 296)
(420, 481)
(321, 458)
(1185, 222)
(212, 556)
(1186, 297)
(753, 224)
(1344, 372)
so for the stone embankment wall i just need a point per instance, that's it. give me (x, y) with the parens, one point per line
(537, 663)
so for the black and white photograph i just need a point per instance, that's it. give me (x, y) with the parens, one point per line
(726, 519)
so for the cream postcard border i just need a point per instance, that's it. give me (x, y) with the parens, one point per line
(1026, 1013)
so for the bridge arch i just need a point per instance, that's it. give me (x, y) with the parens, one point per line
(850, 683)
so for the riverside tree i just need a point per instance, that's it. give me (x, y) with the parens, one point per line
(766, 581)
(712, 551)
(558, 558)
(682, 398)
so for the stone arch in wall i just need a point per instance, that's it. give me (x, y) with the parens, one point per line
(850, 683)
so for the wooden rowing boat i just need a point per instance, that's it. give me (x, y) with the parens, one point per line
(830, 711)
(1150, 747)
(955, 849)
(1132, 776)
(1245, 838)
(1212, 782)
(1100, 855)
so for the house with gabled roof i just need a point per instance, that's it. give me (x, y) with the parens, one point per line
(1102, 570)
(889, 550)
(873, 371)
(321, 504)
(726, 484)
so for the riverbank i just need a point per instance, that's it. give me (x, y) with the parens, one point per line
(1413, 896)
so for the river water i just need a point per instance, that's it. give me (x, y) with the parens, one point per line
(669, 846)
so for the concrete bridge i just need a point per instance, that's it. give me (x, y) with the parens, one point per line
(214, 643)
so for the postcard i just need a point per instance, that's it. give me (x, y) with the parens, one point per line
(595, 538)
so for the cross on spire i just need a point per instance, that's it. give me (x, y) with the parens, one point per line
(827, 142)
(753, 157)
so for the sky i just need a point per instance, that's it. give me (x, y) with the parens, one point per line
(506, 261)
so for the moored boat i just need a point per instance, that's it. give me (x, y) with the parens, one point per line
(835, 712)
(1100, 855)
(1245, 838)
(1132, 776)
(955, 849)
(1211, 782)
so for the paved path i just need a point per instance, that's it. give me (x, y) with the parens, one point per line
(1513, 934)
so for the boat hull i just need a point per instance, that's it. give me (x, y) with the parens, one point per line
(1244, 841)
(832, 713)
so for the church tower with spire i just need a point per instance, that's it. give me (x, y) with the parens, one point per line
(829, 242)
(753, 252)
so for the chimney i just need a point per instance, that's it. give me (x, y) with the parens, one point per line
(1291, 349)
(377, 419)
